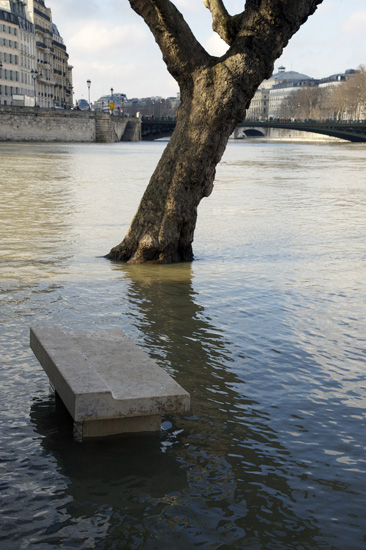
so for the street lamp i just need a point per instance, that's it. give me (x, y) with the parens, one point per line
(34, 76)
(88, 83)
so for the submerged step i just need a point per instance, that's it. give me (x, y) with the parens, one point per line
(107, 383)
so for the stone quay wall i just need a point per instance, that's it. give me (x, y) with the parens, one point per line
(53, 125)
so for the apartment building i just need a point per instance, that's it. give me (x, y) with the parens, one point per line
(34, 63)
(271, 94)
(62, 71)
(9, 55)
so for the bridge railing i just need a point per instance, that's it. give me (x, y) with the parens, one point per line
(154, 120)
(304, 121)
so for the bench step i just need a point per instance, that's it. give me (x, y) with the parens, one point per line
(107, 383)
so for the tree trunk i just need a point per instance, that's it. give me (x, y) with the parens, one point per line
(162, 230)
(215, 92)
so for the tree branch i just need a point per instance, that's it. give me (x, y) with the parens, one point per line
(226, 25)
(181, 51)
(265, 28)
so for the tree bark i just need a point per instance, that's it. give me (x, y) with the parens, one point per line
(163, 229)
(214, 96)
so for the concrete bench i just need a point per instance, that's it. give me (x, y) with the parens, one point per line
(108, 384)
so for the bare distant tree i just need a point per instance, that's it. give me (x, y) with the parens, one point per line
(303, 104)
(215, 92)
(308, 100)
(337, 101)
(355, 94)
(290, 107)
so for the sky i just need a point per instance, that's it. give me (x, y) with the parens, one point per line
(110, 45)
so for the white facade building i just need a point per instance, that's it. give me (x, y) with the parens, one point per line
(269, 97)
(34, 68)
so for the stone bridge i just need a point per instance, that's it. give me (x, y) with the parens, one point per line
(35, 124)
(349, 131)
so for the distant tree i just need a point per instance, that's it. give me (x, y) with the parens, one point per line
(338, 100)
(215, 92)
(355, 94)
(308, 102)
(305, 103)
(346, 100)
(290, 107)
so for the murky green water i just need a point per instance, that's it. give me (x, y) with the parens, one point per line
(266, 330)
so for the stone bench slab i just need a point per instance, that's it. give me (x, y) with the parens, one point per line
(107, 383)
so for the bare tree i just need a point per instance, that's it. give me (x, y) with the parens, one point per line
(290, 106)
(215, 92)
(338, 101)
(308, 99)
(303, 104)
(355, 94)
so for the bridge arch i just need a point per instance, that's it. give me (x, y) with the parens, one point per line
(349, 131)
(253, 132)
(156, 128)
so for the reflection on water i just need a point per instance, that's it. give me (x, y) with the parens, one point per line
(265, 330)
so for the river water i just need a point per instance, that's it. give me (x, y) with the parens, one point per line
(265, 329)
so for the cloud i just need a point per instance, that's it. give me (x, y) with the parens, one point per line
(355, 24)
(99, 37)
(76, 10)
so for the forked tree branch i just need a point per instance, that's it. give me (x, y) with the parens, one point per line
(226, 25)
(265, 28)
(181, 50)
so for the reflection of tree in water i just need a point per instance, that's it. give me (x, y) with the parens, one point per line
(237, 471)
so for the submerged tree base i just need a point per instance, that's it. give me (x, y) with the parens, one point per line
(150, 255)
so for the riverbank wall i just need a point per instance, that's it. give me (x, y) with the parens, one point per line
(51, 125)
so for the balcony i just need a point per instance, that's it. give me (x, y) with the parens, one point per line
(41, 14)
(41, 45)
